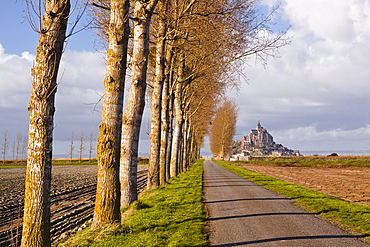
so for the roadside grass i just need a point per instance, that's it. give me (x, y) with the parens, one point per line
(311, 161)
(169, 215)
(354, 218)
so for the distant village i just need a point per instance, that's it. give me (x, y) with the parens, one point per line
(259, 143)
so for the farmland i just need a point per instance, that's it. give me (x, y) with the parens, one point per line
(345, 177)
(72, 199)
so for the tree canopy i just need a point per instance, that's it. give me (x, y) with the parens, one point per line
(223, 128)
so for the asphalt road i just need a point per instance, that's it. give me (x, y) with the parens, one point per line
(241, 213)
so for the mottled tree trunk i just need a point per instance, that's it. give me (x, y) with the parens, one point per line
(166, 122)
(170, 136)
(36, 219)
(176, 142)
(156, 108)
(187, 156)
(107, 204)
(135, 105)
(184, 145)
(164, 135)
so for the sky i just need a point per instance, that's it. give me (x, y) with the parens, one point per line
(313, 97)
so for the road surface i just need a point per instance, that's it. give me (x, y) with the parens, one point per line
(241, 213)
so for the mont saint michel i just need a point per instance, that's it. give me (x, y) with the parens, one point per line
(259, 142)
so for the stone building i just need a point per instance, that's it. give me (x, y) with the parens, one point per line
(260, 143)
(258, 137)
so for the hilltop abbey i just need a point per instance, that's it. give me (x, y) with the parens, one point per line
(260, 143)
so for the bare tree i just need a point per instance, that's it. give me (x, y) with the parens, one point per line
(156, 107)
(81, 147)
(5, 144)
(91, 144)
(132, 118)
(24, 147)
(107, 203)
(71, 146)
(52, 31)
(13, 148)
(18, 145)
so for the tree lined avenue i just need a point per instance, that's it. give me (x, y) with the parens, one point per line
(183, 54)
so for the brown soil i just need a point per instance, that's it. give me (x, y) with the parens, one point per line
(73, 191)
(350, 184)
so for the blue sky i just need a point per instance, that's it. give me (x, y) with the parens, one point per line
(17, 35)
(314, 96)
(15, 29)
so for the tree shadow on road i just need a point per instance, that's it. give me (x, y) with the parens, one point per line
(257, 215)
(293, 238)
(250, 199)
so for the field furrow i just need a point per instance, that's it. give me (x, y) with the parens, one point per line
(72, 200)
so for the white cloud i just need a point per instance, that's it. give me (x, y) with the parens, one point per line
(80, 84)
(310, 138)
(80, 89)
(321, 80)
(15, 78)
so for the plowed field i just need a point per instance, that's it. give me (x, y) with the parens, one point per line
(73, 191)
(350, 184)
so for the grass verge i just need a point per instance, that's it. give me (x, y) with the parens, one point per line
(170, 215)
(311, 161)
(352, 217)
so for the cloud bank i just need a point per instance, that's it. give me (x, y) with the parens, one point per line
(315, 96)
(80, 89)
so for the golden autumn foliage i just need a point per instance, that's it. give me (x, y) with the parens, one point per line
(223, 128)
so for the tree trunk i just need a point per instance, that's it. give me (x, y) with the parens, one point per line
(36, 219)
(136, 102)
(107, 204)
(164, 135)
(176, 142)
(166, 120)
(156, 108)
(170, 128)
(187, 156)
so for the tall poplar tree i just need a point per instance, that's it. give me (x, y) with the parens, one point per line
(156, 107)
(132, 118)
(107, 204)
(36, 219)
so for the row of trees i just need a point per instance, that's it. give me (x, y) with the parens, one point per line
(187, 52)
(81, 147)
(15, 147)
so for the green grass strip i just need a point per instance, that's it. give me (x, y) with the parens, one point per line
(311, 161)
(5, 167)
(350, 216)
(169, 215)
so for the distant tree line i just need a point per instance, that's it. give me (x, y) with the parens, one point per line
(81, 145)
(13, 148)
(16, 148)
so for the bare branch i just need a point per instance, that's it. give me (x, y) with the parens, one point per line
(100, 6)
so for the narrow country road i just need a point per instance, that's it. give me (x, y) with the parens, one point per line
(241, 213)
